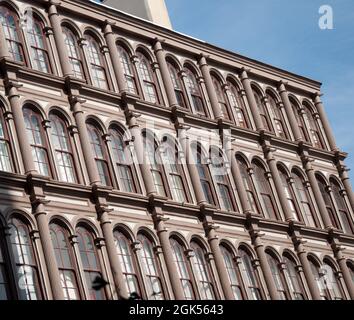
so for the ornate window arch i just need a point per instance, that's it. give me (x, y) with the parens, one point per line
(315, 132)
(262, 109)
(65, 258)
(278, 276)
(128, 69)
(178, 84)
(89, 260)
(278, 116)
(222, 98)
(293, 278)
(38, 139)
(236, 101)
(13, 35)
(299, 119)
(6, 162)
(318, 275)
(331, 280)
(63, 150)
(99, 151)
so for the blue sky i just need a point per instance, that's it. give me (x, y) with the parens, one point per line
(285, 34)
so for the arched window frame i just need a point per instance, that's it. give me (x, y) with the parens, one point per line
(99, 152)
(13, 34)
(333, 284)
(299, 116)
(318, 276)
(6, 153)
(316, 136)
(75, 52)
(178, 84)
(68, 268)
(237, 103)
(262, 109)
(148, 78)
(221, 96)
(279, 118)
(38, 140)
(195, 92)
(90, 261)
(62, 148)
(130, 73)
(293, 278)
(151, 269)
(97, 64)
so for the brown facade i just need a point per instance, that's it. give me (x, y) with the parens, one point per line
(84, 90)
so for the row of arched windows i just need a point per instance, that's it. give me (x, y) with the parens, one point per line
(80, 261)
(89, 63)
(54, 156)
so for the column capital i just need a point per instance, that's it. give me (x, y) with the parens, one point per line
(73, 239)
(100, 242)
(34, 234)
(48, 31)
(189, 253)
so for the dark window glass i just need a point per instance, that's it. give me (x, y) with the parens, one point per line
(66, 263)
(148, 79)
(128, 69)
(74, 53)
(194, 93)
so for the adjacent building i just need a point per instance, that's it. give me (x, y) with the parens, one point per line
(162, 164)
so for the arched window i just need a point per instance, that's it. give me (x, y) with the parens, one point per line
(265, 191)
(37, 139)
(62, 148)
(299, 119)
(65, 260)
(351, 269)
(233, 273)
(148, 79)
(38, 45)
(332, 283)
(14, 39)
(222, 99)
(344, 214)
(195, 93)
(289, 193)
(90, 262)
(278, 117)
(293, 279)
(247, 183)
(128, 69)
(5, 153)
(313, 126)
(249, 275)
(97, 64)
(26, 265)
(327, 200)
(238, 104)
(155, 163)
(99, 153)
(177, 85)
(183, 269)
(220, 174)
(203, 273)
(204, 175)
(319, 278)
(303, 196)
(262, 111)
(277, 276)
(5, 293)
(74, 53)
(174, 171)
(151, 269)
(128, 263)
(123, 161)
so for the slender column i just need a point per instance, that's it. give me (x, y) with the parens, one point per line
(25, 147)
(317, 193)
(171, 266)
(59, 39)
(4, 52)
(48, 250)
(326, 126)
(268, 277)
(140, 153)
(345, 271)
(289, 112)
(165, 73)
(251, 99)
(84, 139)
(219, 261)
(268, 151)
(311, 283)
(210, 88)
(113, 51)
(343, 173)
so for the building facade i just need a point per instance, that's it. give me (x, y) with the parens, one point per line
(96, 106)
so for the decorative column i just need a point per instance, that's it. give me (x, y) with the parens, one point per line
(166, 247)
(76, 102)
(113, 51)
(268, 152)
(16, 107)
(326, 126)
(58, 37)
(210, 88)
(316, 191)
(302, 254)
(251, 99)
(268, 277)
(289, 111)
(74, 133)
(165, 73)
(218, 258)
(343, 173)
